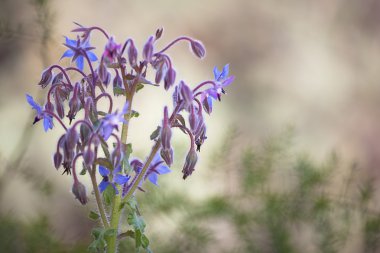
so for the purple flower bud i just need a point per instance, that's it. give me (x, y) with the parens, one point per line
(49, 106)
(46, 77)
(71, 138)
(79, 191)
(191, 160)
(207, 104)
(176, 96)
(57, 78)
(169, 78)
(88, 157)
(59, 105)
(187, 95)
(74, 103)
(117, 82)
(166, 131)
(132, 54)
(167, 155)
(112, 50)
(57, 158)
(107, 80)
(159, 33)
(102, 71)
(148, 49)
(198, 49)
(136, 165)
(193, 119)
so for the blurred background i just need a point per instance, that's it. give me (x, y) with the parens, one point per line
(291, 162)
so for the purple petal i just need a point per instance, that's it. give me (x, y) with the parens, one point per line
(103, 185)
(163, 169)
(120, 179)
(153, 178)
(79, 62)
(92, 56)
(103, 171)
(228, 81)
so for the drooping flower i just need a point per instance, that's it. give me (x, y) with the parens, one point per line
(157, 167)
(117, 178)
(47, 119)
(112, 50)
(112, 121)
(77, 50)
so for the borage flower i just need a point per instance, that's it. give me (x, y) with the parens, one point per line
(112, 121)
(157, 167)
(47, 119)
(117, 178)
(77, 49)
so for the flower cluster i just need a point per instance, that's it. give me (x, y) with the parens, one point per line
(98, 137)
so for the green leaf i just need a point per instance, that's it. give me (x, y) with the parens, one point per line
(104, 162)
(108, 195)
(102, 113)
(93, 215)
(118, 91)
(155, 133)
(110, 232)
(136, 221)
(139, 87)
(144, 241)
(83, 171)
(97, 232)
(134, 114)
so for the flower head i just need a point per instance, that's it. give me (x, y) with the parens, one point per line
(77, 50)
(112, 50)
(156, 168)
(47, 119)
(117, 178)
(112, 121)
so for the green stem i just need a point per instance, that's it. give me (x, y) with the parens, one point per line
(116, 212)
(98, 199)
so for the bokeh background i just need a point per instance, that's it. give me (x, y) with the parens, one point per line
(291, 162)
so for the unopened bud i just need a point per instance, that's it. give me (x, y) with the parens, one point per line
(117, 82)
(148, 49)
(191, 160)
(46, 77)
(57, 158)
(187, 95)
(198, 49)
(79, 191)
(71, 138)
(193, 119)
(57, 78)
(167, 156)
(132, 54)
(166, 132)
(59, 105)
(88, 157)
(49, 106)
(207, 104)
(169, 78)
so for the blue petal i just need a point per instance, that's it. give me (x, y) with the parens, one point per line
(103, 171)
(79, 62)
(216, 73)
(34, 105)
(48, 123)
(224, 73)
(71, 42)
(153, 178)
(68, 53)
(107, 131)
(163, 169)
(120, 179)
(103, 185)
(92, 56)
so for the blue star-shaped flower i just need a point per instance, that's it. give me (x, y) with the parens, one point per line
(47, 119)
(77, 49)
(222, 80)
(117, 178)
(157, 167)
(112, 121)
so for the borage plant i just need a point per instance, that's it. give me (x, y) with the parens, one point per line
(94, 139)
